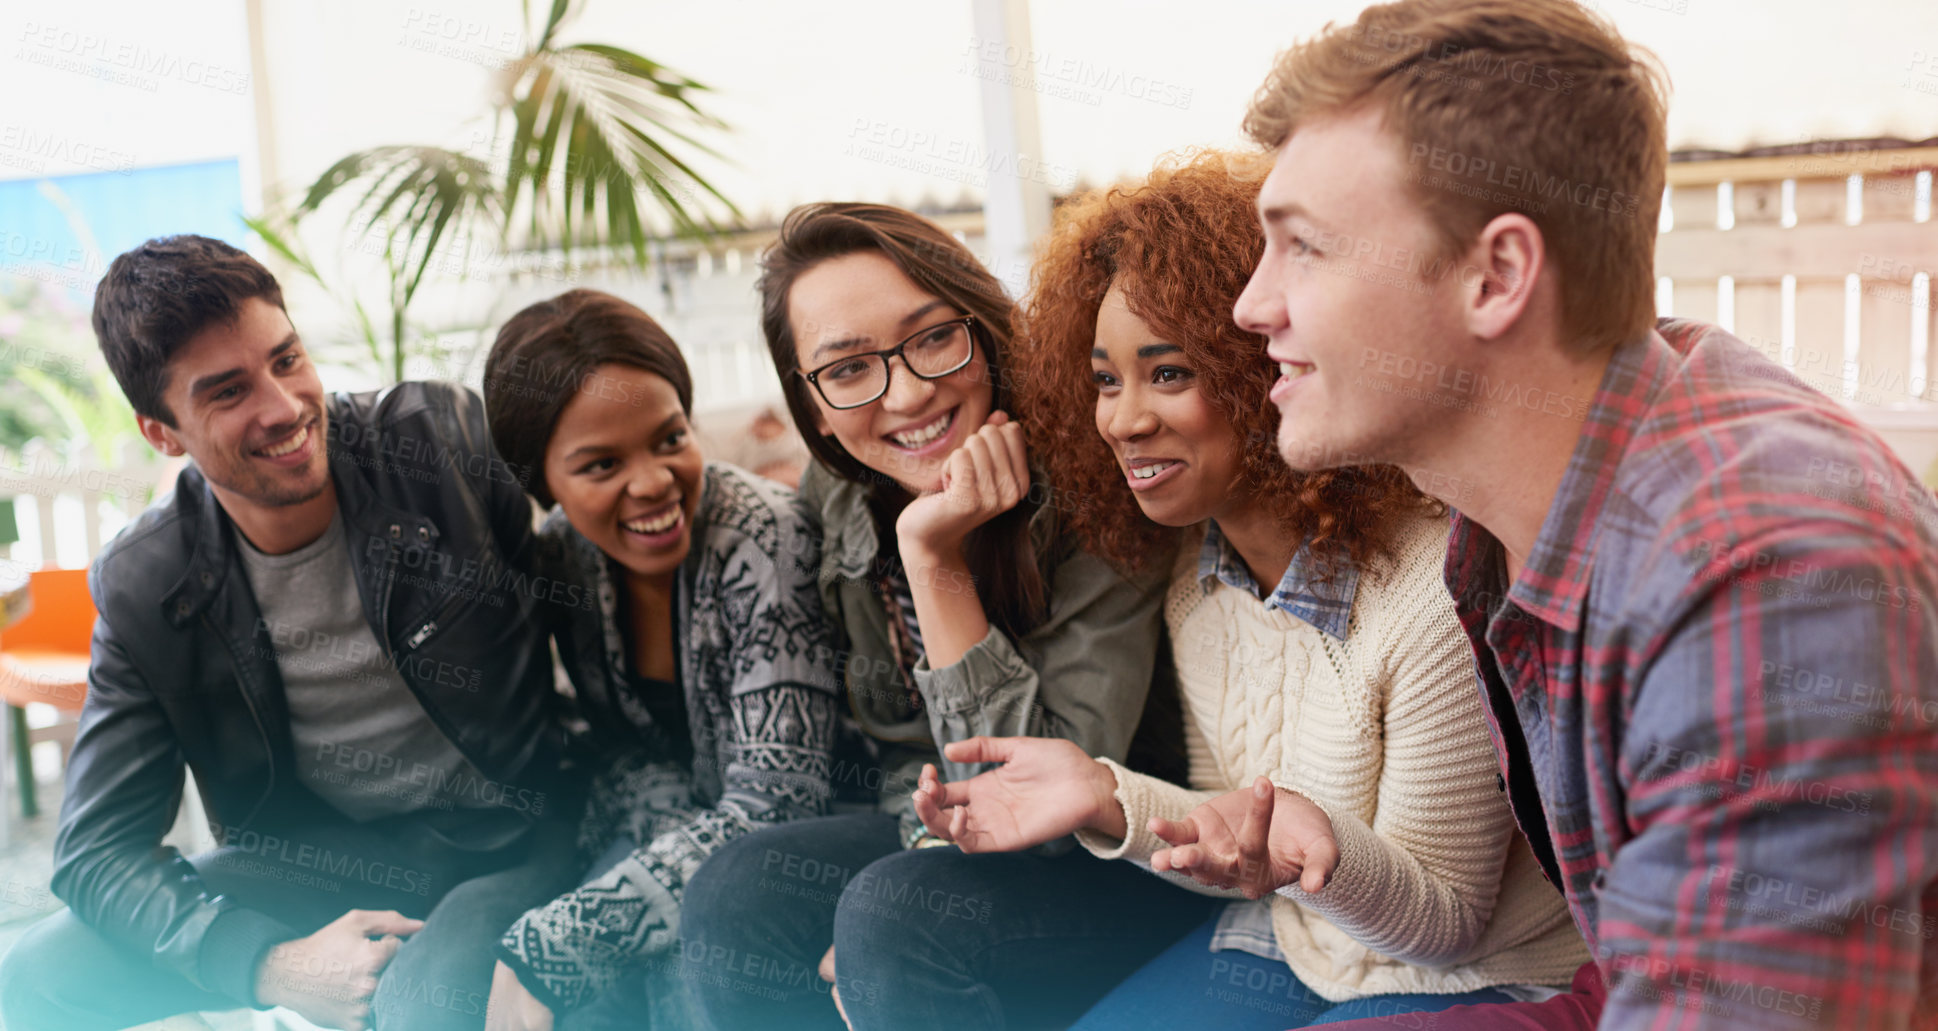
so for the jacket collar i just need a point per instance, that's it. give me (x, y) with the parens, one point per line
(1554, 582)
(847, 530)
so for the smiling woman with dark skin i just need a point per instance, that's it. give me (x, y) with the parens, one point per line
(1328, 691)
(643, 523)
(683, 603)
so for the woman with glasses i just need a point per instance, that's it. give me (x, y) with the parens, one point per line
(967, 611)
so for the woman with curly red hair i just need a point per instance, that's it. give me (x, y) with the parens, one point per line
(1326, 684)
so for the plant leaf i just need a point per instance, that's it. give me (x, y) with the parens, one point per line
(429, 188)
(606, 118)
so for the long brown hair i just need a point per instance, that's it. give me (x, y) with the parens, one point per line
(1181, 245)
(999, 552)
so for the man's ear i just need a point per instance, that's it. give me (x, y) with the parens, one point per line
(159, 436)
(1506, 261)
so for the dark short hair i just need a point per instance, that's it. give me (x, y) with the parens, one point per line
(156, 297)
(545, 353)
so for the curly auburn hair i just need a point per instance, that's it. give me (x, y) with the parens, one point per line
(1181, 245)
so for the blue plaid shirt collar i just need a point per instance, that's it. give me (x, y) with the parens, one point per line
(1326, 604)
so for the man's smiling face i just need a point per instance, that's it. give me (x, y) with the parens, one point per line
(248, 409)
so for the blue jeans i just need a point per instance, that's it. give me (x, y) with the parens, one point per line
(1188, 985)
(923, 938)
(64, 974)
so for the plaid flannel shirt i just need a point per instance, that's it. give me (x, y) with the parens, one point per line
(1714, 692)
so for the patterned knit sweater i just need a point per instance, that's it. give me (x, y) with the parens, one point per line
(1436, 891)
(754, 652)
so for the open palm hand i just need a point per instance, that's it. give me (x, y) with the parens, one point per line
(1044, 789)
(1255, 840)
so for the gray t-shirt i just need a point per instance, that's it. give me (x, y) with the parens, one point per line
(363, 740)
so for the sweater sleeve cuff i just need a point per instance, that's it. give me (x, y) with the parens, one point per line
(1360, 880)
(233, 948)
(1142, 798)
(965, 684)
(578, 939)
(529, 980)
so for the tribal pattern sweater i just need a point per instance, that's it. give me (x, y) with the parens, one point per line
(761, 705)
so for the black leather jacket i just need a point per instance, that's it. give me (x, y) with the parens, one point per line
(184, 671)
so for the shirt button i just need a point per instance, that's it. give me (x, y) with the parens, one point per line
(208, 578)
(1601, 880)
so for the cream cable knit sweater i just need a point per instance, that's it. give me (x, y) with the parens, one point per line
(1436, 891)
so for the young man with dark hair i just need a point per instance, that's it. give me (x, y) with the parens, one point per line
(1702, 598)
(326, 622)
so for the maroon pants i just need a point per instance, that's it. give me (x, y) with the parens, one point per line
(1578, 1010)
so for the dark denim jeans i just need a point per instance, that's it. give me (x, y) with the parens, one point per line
(1188, 985)
(923, 938)
(63, 974)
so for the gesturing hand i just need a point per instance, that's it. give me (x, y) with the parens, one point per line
(983, 478)
(329, 977)
(1046, 788)
(512, 1007)
(1282, 838)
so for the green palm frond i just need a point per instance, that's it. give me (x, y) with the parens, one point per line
(589, 139)
(283, 243)
(413, 195)
(592, 127)
(96, 414)
(280, 235)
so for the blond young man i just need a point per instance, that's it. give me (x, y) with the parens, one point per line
(1702, 599)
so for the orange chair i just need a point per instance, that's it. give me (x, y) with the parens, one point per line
(44, 658)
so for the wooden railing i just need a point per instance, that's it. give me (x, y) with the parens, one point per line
(1824, 261)
(74, 503)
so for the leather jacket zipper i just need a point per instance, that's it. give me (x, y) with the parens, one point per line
(418, 636)
(416, 639)
(423, 633)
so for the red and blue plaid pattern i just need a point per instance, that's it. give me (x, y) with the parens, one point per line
(1714, 692)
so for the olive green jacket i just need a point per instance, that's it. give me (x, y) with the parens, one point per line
(1082, 674)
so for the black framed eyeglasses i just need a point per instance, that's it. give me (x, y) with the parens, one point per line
(858, 379)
